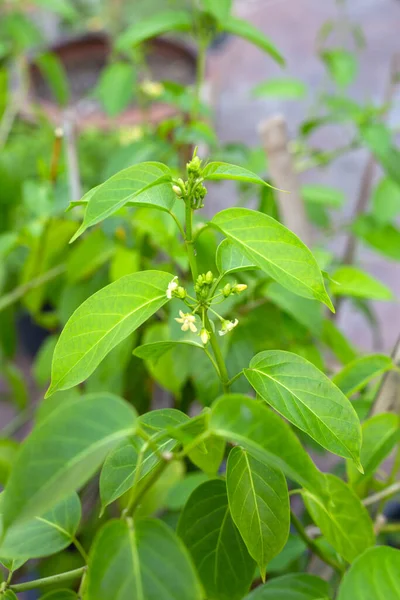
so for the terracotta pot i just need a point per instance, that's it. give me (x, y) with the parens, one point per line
(84, 59)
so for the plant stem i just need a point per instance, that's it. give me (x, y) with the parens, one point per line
(312, 545)
(218, 356)
(200, 73)
(189, 240)
(47, 581)
(80, 549)
(150, 481)
(235, 378)
(9, 299)
(383, 494)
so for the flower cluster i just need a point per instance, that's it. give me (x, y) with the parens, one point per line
(174, 290)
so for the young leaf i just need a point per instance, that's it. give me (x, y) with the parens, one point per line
(253, 35)
(384, 238)
(115, 89)
(336, 519)
(209, 455)
(155, 350)
(55, 75)
(285, 88)
(145, 561)
(259, 505)
(230, 259)
(342, 66)
(275, 250)
(220, 10)
(225, 567)
(119, 470)
(386, 201)
(145, 184)
(295, 586)
(43, 536)
(217, 171)
(159, 23)
(266, 436)
(350, 281)
(308, 399)
(358, 373)
(63, 452)
(380, 434)
(102, 321)
(322, 194)
(375, 575)
(179, 494)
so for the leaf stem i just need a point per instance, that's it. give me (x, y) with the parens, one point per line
(313, 546)
(175, 218)
(47, 581)
(189, 240)
(218, 356)
(80, 549)
(235, 378)
(383, 494)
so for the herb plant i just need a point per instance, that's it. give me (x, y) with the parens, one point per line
(234, 511)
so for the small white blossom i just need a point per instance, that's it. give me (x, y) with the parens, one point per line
(177, 190)
(188, 322)
(239, 287)
(172, 286)
(204, 336)
(227, 326)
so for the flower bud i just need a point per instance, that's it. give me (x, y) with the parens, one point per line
(194, 167)
(238, 288)
(204, 336)
(180, 292)
(209, 277)
(177, 190)
(227, 290)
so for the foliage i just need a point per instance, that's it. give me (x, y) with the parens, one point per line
(231, 318)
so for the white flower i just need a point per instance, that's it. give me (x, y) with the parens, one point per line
(227, 326)
(204, 336)
(239, 287)
(172, 286)
(188, 322)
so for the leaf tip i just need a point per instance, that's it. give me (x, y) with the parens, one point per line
(358, 465)
(77, 234)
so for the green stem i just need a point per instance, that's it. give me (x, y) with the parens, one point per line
(200, 74)
(80, 549)
(149, 482)
(175, 218)
(312, 545)
(218, 356)
(47, 581)
(385, 494)
(189, 240)
(23, 289)
(235, 378)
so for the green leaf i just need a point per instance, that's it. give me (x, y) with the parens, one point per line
(55, 75)
(209, 455)
(220, 10)
(156, 350)
(337, 342)
(102, 321)
(230, 259)
(179, 494)
(308, 399)
(285, 88)
(350, 281)
(220, 556)
(115, 89)
(159, 23)
(124, 262)
(88, 256)
(16, 381)
(384, 239)
(306, 312)
(380, 434)
(246, 30)
(295, 586)
(386, 201)
(45, 535)
(42, 366)
(274, 249)
(266, 436)
(217, 171)
(9, 595)
(378, 138)
(293, 551)
(145, 561)
(375, 575)
(63, 452)
(336, 519)
(358, 373)
(259, 505)
(342, 66)
(140, 185)
(8, 452)
(323, 194)
(119, 470)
